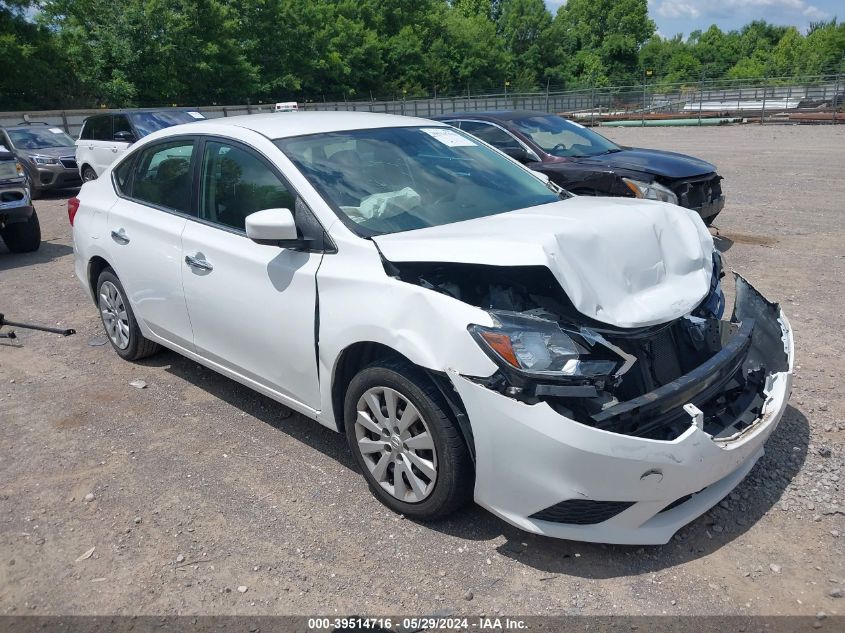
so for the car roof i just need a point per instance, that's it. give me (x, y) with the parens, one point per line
(492, 115)
(286, 124)
(139, 110)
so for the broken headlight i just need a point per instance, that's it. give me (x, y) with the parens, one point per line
(651, 190)
(539, 347)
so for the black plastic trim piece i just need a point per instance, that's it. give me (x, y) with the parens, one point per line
(700, 384)
(582, 511)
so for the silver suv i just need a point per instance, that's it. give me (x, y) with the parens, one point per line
(47, 154)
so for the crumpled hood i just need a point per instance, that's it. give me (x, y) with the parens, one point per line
(628, 263)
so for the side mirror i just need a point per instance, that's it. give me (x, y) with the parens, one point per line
(124, 137)
(274, 227)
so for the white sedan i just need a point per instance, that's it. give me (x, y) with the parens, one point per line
(474, 331)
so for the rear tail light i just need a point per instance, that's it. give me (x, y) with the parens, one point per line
(72, 208)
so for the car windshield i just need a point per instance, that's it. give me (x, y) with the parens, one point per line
(149, 122)
(39, 138)
(388, 180)
(560, 137)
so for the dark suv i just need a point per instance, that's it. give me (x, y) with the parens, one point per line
(46, 153)
(586, 163)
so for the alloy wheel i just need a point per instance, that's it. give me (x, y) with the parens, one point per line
(115, 318)
(396, 444)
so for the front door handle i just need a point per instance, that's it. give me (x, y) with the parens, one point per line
(199, 264)
(120, 236)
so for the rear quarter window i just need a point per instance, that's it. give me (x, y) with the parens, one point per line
(121, 175)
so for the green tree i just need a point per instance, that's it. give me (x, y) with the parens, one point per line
(523, 26)
(152, 52)
(600, 40)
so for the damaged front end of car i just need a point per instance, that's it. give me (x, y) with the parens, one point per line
(619, 435)
(630, 381)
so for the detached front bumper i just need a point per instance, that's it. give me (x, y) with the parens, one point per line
(552, 475)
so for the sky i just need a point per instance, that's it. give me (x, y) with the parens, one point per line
(684, 16)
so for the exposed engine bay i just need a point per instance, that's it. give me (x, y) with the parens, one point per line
(630, 381)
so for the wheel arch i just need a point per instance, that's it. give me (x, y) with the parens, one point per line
(82, 167)
(357, 356)
(96, 265)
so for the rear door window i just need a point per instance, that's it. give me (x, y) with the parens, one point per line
(162, 175)
(491, 134)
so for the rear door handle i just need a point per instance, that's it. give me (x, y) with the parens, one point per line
(199, 264)
(120, 236)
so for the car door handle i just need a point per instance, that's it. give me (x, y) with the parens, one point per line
(199, 264)
(120, 236)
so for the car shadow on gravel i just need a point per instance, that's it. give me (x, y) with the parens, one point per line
(47, 252)
(259, 406)
(756, 495)
(786, 451)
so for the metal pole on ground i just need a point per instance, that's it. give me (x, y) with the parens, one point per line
(763, 110)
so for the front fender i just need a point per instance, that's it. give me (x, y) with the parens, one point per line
(361, 303)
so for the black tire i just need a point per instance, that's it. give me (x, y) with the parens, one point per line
(23, 237)
(88, 173)
(455, 480)
(139, 347)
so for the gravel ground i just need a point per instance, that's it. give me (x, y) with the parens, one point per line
(195, 495)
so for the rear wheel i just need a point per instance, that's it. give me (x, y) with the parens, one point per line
(119, 321)
(88, 174)
(23, 237)
(406, 444)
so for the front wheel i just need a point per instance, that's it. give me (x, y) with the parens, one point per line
(119, 321)
(23, 237)
(88, 174)
(406, 444)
